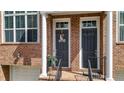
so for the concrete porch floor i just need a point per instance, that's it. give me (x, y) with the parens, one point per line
(69, 76)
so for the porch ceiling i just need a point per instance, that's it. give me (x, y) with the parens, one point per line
(70, 12)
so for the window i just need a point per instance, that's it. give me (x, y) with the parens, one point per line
(21, 26)
(61, 24)
(121, 25)
(89, 24)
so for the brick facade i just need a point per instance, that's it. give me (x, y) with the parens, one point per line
(31, 53)
(75, 36)
(118, 48)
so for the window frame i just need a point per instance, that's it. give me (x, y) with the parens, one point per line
(14, 28)
(118, 41)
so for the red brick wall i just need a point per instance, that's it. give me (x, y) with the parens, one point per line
(118, 49)
(102, 41)
(49, 35)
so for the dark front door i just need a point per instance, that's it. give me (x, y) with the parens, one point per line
(62, 46)
(89, 47)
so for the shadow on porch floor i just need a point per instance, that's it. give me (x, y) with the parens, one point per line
(69, 76)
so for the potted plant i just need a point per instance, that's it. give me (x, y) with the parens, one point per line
(51, 61)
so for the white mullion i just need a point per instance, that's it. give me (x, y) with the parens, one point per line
(119, 26)
(38, 27)
(61, 28)
(20, 28)
(88, 27)
(32, 28)
(3, 26)
(26, 40)
(14, 28)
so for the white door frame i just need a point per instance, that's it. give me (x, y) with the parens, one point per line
(97, 19)
(54, 37)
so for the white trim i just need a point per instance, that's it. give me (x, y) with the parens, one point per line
(69, 38)
(26, 28)
(71, 12)
(38, 27)
(14, 29)
(98, 38)
(118, 28)
(2, 28)
(18, 14)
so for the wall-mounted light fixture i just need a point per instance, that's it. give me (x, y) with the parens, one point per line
(18, 55)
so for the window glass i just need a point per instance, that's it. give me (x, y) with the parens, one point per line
(19, 12)
(32, 21)
(121, 26)
(9, 22)
(32, 35)
(20, 35)
(93, 23)
(61, 24)
(20, 21)
(8, 12)
(88, 23)
(121, 33)
(9, 35)
(121, 17)
(32, 11)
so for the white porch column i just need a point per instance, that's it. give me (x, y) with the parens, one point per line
(44, 46)
(109, 48)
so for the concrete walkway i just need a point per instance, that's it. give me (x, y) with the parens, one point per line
(69, 76)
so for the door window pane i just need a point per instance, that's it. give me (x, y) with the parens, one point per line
(61, 24)
(9, 35)
(89, 24)
(20, 21)
(8, 22)
(93, 23)
(32, 21)
(32, 35)
(20, 35)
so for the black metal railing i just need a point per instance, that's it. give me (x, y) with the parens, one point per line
(58, 72)
(97, 73)
(90, 74)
